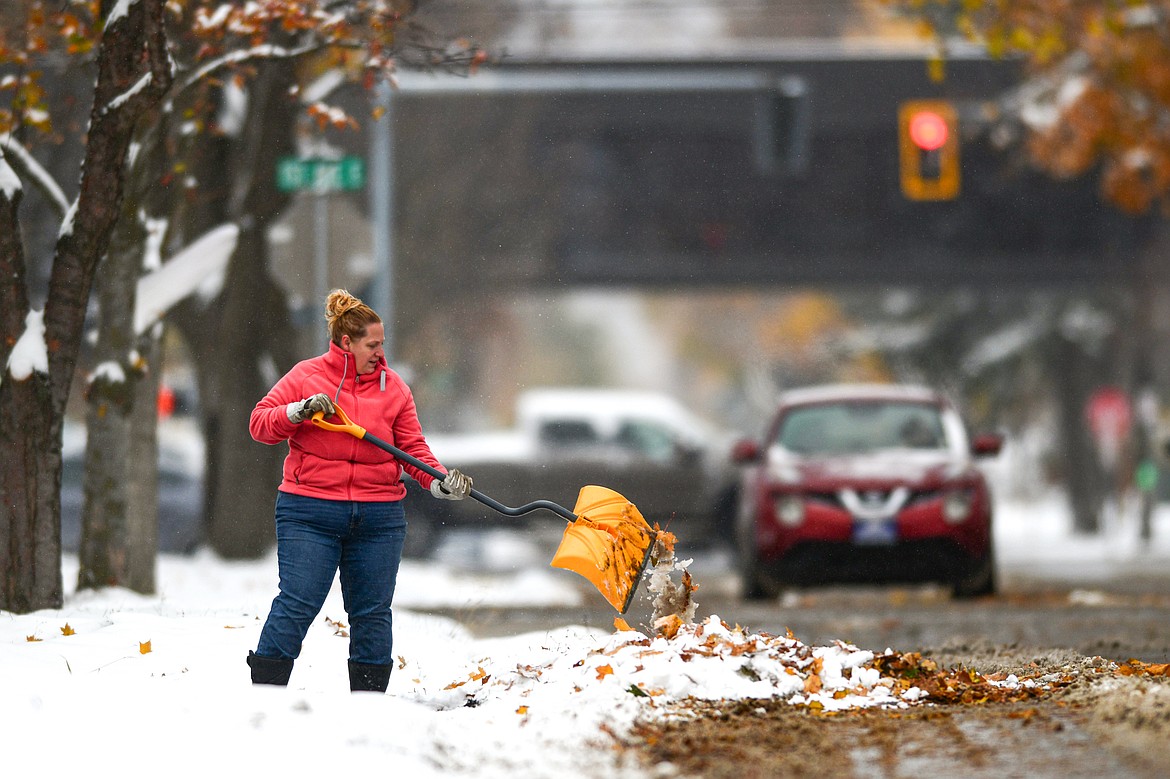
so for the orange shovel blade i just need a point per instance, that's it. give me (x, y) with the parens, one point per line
(609, 544)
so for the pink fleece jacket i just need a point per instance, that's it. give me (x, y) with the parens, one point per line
(337, 466)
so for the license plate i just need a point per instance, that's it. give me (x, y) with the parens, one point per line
(874, 532)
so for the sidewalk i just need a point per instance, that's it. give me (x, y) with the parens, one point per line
(1034, 542)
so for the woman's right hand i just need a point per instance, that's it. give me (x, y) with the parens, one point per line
(305, 409)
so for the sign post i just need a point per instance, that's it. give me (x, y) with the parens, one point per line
(321, 177)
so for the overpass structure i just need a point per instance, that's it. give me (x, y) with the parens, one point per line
(760, 171)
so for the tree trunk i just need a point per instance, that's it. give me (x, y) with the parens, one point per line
(1084, 476)
(33, 409)
(243, 473)
(243, 342)
(30, 446)
(105, 535)
(142, 466)
(119, 528)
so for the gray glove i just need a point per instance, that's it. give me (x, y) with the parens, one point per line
(455, 487)
(305, 409)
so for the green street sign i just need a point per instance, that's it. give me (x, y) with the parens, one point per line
(294, 174)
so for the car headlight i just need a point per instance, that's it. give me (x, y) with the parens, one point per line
(957, 506)
(790, 510)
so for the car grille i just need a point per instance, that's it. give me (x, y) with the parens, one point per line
(834, 498)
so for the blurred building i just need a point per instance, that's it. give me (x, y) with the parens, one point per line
(647, 147)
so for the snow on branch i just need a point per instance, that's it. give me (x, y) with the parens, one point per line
(123, 98)
(261, 52)
(9, 183)
(197, 268)
(30, 353)
(121, 10)
(43, 180)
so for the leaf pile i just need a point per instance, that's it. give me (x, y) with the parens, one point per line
(1138, 668)
(963, 685)
(712, 660)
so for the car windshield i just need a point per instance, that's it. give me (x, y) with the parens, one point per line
(858, 427)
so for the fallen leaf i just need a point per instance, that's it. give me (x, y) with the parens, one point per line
(668, 626)
(522, 710)
(1027, 715)
(813, 683)
(33, 638)
(143, 647)
(67, 631)
(604, 671)
(1132, 667)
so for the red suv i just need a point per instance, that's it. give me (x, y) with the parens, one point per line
(865, 483)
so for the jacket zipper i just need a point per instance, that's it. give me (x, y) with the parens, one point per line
(356, 415)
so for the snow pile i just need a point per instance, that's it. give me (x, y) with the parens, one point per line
(709, 661)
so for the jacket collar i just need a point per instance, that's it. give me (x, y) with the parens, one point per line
(344, 364)
(340, 360)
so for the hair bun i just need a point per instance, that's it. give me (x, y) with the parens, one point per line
(347, 315)
(339, 303)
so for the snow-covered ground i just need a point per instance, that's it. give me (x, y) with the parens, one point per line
(146, 685)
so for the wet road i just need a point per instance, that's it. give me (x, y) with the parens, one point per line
(1117, 617)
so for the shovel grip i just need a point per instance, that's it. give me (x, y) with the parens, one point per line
(357, 431)
(347, 425)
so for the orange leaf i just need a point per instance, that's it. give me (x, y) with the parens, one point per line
(67, 631)
(143, 647)
(604, 671)
(33, 638)
(668, 626)
(812, 683)
(522, 710)
(621, 624)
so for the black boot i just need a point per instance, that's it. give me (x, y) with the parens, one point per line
(368, 678)
(270, 670)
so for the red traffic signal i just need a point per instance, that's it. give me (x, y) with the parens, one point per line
(928, 130)
(929, 149)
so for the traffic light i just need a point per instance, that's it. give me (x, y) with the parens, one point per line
(928, 142)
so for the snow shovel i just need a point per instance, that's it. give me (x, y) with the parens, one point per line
(607, 540)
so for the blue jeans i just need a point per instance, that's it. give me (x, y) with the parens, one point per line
(314, 539)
